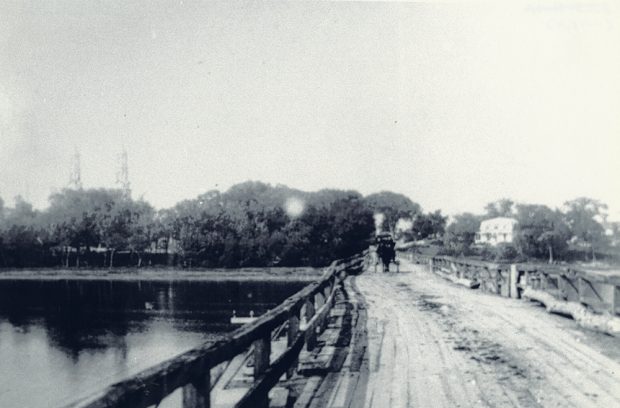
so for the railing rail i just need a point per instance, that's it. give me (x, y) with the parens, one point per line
(591, 297)
(304, 313)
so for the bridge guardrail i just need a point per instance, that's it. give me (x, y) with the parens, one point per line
(591, 298)
(304, 313)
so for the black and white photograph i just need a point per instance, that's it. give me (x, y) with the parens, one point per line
(309, 204)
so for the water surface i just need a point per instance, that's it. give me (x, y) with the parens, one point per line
(65, 339)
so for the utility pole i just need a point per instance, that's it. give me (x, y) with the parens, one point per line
(75, 178)
(122, 176)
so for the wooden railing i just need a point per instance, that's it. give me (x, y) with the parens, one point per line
(489, 277)
(599, 291)
(305, 313)
(592, 298)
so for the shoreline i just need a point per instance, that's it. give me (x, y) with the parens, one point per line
(304, 274)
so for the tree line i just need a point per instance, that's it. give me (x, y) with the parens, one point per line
(248, 225)
(577, 231)
(251, 224)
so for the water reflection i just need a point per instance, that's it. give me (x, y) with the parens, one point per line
(60, 340)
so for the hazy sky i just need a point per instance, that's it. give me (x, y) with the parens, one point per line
(453, 105)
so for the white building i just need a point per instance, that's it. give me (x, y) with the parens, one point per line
(496, 230)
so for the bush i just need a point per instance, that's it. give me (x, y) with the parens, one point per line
(499, 253)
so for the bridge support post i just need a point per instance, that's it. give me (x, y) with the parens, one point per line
(197, 394)
(514, 280)
(292, 333)
(616, 301)
(503, 276)
(320, 301)
(326, 293)
(310, 331)
(430, 265)
(262, 354)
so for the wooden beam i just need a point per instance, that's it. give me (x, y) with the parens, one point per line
(197, 394)
(271, 376)
(291, 336)
(262, 354)
(310, 334)
(514, 280)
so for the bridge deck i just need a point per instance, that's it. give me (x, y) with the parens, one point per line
(431, 343)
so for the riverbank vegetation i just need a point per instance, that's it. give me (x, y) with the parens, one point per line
(250, 225)
(579, 231)
(255, 224)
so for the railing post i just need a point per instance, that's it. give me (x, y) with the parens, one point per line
(615, 307)
(483, 274)
(320, 301)
(310, 332)
(292, 333)
(544, 281)
(496, 279)
(196, 394)
(326, 293)
(262, 353)
(514, 279)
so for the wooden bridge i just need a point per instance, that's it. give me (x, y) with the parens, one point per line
(305, 316)
(418, 338)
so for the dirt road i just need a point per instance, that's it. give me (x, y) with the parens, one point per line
(432, 343)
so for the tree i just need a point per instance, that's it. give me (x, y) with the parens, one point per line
(22, 234)
(23, 212)
(583, 215)
(125, 224)
(141, 228)
(615, 233)
(428, 225)
(500, 208)
(421, 228)
(541, 232)
(1, 212)
(461, 233)
(105, 217)
(352, 228)
(248, 225)
(2, 258)
(393, 206)
(75, 218)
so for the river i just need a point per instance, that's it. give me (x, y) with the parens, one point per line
(61, 340)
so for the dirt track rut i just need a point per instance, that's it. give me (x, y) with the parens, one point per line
(435, 344)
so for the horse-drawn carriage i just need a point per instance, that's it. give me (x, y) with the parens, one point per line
(385, 251)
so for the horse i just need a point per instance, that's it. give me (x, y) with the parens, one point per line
(387, 255)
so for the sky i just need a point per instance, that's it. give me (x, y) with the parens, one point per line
(452, 104)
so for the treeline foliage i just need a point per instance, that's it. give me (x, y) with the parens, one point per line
(577, 231)
(426, 226)
(75, 224)
(393, 207)
(256, 224)
(248, 225)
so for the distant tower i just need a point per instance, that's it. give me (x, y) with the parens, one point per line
(75, 179)
(122, 176)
